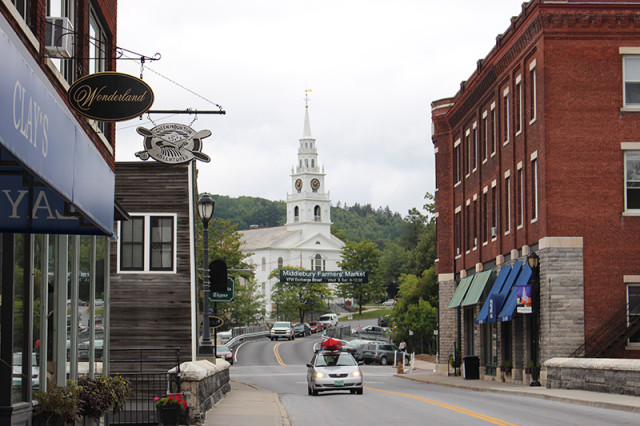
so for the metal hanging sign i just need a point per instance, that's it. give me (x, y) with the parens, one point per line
(173, 143)
(110, 96)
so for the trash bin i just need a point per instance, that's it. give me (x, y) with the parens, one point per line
(471, 367)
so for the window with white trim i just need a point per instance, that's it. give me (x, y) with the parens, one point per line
(507, 198)
(148, 244)
(520, 199)
(633, 298)
(475, 146)
(632, 180)
(457, 161)
(505, 115)
(467, 143)
(23, 7)
(457, 231)
(532, 92)
(534, 186)
(485, 214)
(485, 136)
(631, 76)
(518, 104)
(494, 129)
(494, 211)
(65, 9)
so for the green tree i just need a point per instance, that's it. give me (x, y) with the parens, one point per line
(298, 298)
(247, 306)
(361, 256)
(393, 263)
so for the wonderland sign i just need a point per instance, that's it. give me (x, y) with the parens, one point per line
(295, 276)
(110, 96)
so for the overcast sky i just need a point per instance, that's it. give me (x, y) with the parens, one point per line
(374, 67)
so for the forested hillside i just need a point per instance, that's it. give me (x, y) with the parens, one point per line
(350, 222)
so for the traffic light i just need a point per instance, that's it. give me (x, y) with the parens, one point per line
(218, 276)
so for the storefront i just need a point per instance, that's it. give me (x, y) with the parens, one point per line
(56, 217)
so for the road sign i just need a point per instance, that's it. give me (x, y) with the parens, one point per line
(223, 296)
(215, 322)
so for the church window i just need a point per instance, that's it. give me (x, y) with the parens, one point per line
(280, 263)
(300, 163)
(313, 163)
(264, 264)
(296, 214)
(318, 263)
(306, 162)
(316, 214)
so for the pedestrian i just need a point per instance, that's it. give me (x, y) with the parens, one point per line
(402, 346)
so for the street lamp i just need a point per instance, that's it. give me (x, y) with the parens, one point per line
(534, 263)
(205, 211)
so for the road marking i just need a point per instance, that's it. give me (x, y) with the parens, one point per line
(448, 406)
(277, 354)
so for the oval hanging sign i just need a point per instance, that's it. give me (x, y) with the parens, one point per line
(110, 96)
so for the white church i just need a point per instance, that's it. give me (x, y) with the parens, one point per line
(305, 240)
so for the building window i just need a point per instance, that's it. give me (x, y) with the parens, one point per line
(148, 244)
(65, 9)
(264, 264)
(280, 263)
(456, 159)
(631, 75)
(318, 262)
(296, 214)
(520, 198)
(458, 231)
(467, 145)
(494, 129)
(132, 244)
(485, 136)
(485, 216)
(467, 228)
(23, 7)
(633, 297)
(532, 92)
(632, 180)
(505, 115)
(474, 222)
(534, 188)
(494, 211)
(316, 214)
(518, 104)
(475, 146)
(507, 204)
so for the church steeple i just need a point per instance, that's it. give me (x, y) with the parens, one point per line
(309, 201)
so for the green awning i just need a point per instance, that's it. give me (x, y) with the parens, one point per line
(463, 286)
(480, 281)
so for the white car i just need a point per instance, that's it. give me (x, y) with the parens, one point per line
(333, 371)
(282, 329)
(17, 371)
(329, 320)
(389, 302)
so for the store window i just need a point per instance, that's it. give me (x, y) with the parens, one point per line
(633, 297)
(632, 180)
(147, 244)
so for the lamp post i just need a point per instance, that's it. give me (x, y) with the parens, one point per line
(205, 211)
(534, 263)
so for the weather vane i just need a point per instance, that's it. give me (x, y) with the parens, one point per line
(306, 98)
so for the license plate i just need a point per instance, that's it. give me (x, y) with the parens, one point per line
(338, 383)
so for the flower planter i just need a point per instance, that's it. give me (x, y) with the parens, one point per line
(168, 416)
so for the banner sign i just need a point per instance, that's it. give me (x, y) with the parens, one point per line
(290, 275)
(523, 299)
(110, 96)
(173, 143)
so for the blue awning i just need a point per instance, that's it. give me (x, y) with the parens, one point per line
(495, 291)
(510, 305)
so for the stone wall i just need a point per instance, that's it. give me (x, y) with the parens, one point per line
(203, 384)
(447, 320)
(621, 376)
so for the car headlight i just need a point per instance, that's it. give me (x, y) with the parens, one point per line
(319, 375)
(356, 373)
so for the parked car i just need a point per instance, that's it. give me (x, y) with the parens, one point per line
(380, 353)
(389, 303)
(329, 320)
(316, 326)
(282, 329)
(17, 371)
(371, 330)
(223, 351)
(302, 329)
(333, 371)
(383, 320)
(83, 350)
(354, 347)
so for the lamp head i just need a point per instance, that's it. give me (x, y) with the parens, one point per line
(533, 260)
(205, 207)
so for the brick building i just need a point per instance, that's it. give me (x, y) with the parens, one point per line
(539, 152)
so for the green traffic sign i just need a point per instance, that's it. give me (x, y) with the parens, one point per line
(224, 296)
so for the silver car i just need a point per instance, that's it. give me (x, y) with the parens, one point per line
(333, 371)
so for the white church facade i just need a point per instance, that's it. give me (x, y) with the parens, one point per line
(305, 240)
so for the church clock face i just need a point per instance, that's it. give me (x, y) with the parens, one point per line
(298, 184)
(315, 184)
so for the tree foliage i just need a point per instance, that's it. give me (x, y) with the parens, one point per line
(364, 255)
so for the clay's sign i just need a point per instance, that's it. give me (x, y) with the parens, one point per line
(110, 96)
(173, 143)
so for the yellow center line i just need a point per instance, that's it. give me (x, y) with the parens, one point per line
(277, 354)
(449, 407)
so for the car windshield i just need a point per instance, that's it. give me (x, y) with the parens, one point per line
(335, 360)
(299, 326)
(281, 324)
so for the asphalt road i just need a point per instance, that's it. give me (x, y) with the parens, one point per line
(280, 367)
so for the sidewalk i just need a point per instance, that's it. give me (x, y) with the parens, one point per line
(247, 406)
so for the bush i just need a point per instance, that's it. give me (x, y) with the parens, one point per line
(60, 402)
